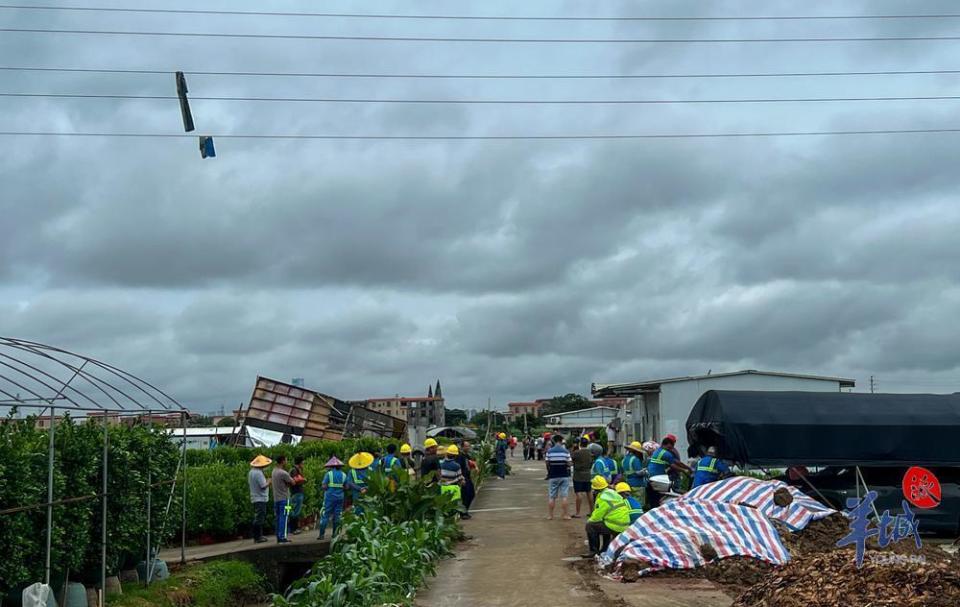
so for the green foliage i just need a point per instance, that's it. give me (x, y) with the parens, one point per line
(218, 500)
(311, 449)
(455, 417)
(134, 454)
(384, 555)
(562, 404)
(480, 421)
(213, 584)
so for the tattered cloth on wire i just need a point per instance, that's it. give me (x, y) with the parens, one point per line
(760, 494)
(683, 534)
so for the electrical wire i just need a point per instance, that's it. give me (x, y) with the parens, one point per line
(448, 17)
(571, 137)
(485, 101)
(478, 76)
(472, 39)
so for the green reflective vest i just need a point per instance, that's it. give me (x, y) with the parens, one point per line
(657, 457)
(612, 509)
(334, 479)
(711, 467)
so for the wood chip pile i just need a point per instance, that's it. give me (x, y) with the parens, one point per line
(832, 579)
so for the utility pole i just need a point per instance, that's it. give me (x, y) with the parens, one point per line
(873, 385)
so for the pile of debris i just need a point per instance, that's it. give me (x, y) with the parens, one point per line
(819, 536)
(832, 578)
(828, 572)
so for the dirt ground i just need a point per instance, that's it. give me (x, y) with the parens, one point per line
(515, 557)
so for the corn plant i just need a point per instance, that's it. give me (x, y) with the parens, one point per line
(384, 555)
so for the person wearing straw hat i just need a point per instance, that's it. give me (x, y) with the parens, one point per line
(634, 470)
(357, 479)
(259, 495)
(333, 485)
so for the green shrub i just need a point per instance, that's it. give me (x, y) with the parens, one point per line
(78, 473)
(214, 584)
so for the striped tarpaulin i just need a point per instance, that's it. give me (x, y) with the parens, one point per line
(758, 494)
(670, 537)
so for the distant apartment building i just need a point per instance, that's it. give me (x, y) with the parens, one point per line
(518, 409)
(428, 411)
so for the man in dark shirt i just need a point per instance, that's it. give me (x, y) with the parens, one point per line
(582, 464)
(296, 495)
(467, 491)
(430, 462)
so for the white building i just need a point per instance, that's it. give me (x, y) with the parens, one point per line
(660, 407)
(583, 419)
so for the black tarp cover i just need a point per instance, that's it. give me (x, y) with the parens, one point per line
(827, 428)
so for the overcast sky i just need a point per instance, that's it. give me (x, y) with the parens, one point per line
(508, 270)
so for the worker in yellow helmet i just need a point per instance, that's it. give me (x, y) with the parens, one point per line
(611, 515)
(406, 458)
(451, 476)
(636, 507)
(431, 461)
(502, 455)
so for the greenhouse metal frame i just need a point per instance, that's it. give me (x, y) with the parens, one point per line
(47, 378)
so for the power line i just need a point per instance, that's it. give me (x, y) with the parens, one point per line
(471, 39)
(479, 76)
(448, 17)
(485, 101)
(571, 137)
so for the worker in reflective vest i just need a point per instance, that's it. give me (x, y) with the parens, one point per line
(634, 471)
(357, 478)
(660, 462)
(451, 475)
(636, 508)
(710, 468)
(601, 467)
(333, 484)
(611, 515)
(390, 464)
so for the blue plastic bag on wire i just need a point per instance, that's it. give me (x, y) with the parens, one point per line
(206, 148)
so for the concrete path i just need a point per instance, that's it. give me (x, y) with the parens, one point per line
(516, 558)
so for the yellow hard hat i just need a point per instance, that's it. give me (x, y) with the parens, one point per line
(442, 450)
(635, 446)
(502, 435)
(599, 483)
(622, 488)
(429, 443)
(404, 449)
(361, 460)
(453, 450)
(261, 461)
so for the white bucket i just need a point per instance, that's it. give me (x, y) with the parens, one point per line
(660, 483)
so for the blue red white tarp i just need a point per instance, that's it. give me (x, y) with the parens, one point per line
(670, 537)
(758, 494)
